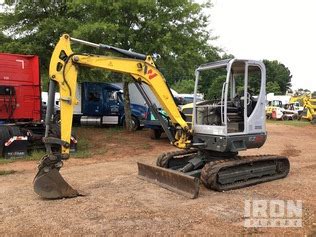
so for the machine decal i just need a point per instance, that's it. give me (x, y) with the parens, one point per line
(151, 74)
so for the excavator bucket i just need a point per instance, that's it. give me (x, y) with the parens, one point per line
(172, 180)
(49, 184)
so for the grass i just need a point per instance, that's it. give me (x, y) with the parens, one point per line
(6, 172)
(85, 148)
(295, 123)
(35, 155)
(6, 161)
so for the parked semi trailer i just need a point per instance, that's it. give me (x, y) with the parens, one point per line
(21, 124)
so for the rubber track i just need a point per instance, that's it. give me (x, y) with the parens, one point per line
(163, 159)
(210, 171)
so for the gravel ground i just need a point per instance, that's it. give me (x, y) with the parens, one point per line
(119, 203)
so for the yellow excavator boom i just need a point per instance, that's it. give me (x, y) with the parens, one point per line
(63, 71)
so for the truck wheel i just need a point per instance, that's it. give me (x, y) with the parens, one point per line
(155, 134)
(135, 123)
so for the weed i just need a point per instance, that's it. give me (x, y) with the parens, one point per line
(85, 148)
(82, 148)
(6, 172)
(35, 155)
(6, 161)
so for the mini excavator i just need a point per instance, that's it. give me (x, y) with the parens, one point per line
(208, 149)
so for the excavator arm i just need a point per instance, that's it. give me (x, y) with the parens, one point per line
(64, 67)
(63, 71)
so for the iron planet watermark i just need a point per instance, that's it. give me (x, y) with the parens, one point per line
(273, 213)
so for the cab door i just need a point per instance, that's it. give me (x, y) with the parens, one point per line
(111, 107)
(92, 105)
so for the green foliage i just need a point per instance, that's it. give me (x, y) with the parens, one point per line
(215, 89)
(6, 172)
(176, 30)
(6, 161)
(278, 80)
(184, 86)
(211, 82)
(35, 155)
(273, 87)
(279, 74)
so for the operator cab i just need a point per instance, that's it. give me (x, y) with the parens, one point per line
(234, 118)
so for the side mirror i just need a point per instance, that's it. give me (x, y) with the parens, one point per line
(115, 97)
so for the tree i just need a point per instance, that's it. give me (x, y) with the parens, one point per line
(278, 73)
(273, 87)
(278, 78)
(184, 86)
(176, 30)
(214, 92)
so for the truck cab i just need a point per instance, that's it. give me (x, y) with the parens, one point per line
(103, 104)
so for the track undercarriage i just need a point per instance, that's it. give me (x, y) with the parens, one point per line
(217, 171)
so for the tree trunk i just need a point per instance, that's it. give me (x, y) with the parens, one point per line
(127, 106)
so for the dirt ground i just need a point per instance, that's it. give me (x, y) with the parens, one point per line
(118, 203)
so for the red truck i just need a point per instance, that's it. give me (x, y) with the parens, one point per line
(21, 125)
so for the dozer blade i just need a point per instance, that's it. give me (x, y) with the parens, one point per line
(172, 180)
(51, 185)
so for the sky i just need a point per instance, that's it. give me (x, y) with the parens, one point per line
(283, 30)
